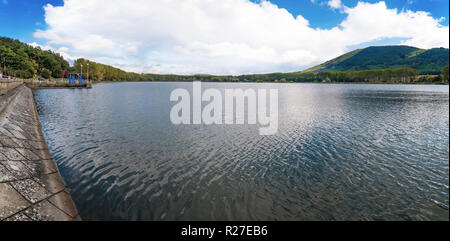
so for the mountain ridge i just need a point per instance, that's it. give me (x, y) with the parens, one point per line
(426, 61)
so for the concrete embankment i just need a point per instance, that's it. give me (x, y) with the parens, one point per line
(6, 85)
(31, 188)
(34, 84)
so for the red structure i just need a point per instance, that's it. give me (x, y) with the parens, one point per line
(64, 74)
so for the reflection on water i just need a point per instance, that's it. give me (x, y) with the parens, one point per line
(343, 152)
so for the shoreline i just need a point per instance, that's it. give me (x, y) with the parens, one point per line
(255, 82)
(31, 187)
(55, 84)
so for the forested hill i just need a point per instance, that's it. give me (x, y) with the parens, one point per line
(391, 64)
(25, 61)
(388, 57)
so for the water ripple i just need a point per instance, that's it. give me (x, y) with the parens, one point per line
(343, 152)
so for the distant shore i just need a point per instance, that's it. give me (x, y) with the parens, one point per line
(260, 82)
(63, 83)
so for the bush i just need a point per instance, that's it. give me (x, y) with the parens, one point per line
(45, 73)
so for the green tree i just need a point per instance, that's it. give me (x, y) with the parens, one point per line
(45, 73)
(445, 74)
(24, 60)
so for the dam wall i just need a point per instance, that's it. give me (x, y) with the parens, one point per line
(8, 84)
(31, 187)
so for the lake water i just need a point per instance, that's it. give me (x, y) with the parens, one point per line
(342, 152)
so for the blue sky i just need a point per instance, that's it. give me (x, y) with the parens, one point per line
(323, 17)
(21, 19)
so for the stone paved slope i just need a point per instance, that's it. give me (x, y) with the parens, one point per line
(31, 188)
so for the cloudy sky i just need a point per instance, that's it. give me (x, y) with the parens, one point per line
(221, 36)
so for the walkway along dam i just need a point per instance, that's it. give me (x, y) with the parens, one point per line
(31, 188)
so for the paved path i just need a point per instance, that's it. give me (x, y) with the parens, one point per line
(31, 188)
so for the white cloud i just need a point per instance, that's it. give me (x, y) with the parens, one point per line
(222, 37)
(335, 4)
(47, 47)
(63, 51)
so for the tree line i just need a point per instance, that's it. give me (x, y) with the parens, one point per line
(101, 72)
(25, 61)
